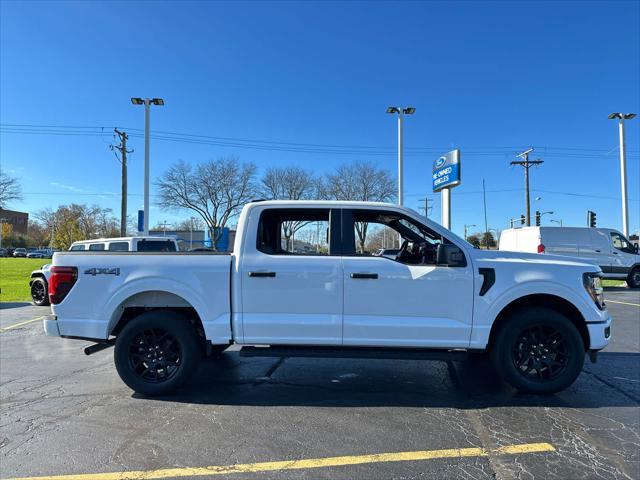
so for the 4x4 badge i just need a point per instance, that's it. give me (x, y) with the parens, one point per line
(102, 271)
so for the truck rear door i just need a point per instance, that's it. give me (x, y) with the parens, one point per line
(291, 277)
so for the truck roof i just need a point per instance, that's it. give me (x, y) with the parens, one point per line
(327, 203)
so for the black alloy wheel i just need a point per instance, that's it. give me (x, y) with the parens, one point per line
(39, 293)
(541, 353)
(157, 351)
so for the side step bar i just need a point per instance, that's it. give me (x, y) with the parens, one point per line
(354, 352)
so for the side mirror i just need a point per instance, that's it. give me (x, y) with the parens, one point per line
(450, 255)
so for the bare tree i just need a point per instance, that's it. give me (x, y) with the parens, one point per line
(360, 181)
(216, 190)
(290, 183)
(192, 223)
(9, 189)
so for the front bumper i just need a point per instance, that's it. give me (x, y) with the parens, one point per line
(599, 333)
(51, 328)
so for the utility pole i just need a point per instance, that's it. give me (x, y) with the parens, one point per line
(526, 164)
(426, 206)
(122, 148)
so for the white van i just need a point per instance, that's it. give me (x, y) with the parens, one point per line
(127, 244)
(617, 257)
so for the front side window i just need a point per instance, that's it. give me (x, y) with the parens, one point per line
(294, 232)
(621, 243)
(392, 235)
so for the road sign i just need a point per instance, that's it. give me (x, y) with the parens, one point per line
(446, 171)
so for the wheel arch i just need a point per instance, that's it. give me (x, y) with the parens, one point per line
(148, 300)
(545, 300)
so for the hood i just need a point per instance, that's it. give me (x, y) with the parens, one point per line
(501, 256)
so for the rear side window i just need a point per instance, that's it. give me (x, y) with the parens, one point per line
(156, 246)
(294, 232)
(96, 246)
(119, 247)
(75, 248)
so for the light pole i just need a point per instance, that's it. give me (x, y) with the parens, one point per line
(623, 168)
(556, 221)
(465, 229)
(401, 111)
(147, 107)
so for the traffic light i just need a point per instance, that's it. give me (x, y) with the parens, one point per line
(522, 219)
(538, 218)
(591, 219)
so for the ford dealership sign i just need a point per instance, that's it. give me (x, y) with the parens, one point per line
(446, 171)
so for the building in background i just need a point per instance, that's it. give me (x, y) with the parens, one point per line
(19, 221)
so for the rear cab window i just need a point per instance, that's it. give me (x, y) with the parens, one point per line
(295, 231)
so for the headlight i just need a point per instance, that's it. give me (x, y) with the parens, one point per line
(593, 285)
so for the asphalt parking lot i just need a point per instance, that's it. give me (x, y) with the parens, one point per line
(64, 414)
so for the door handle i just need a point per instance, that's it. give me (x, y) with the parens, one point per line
(262, 274)
(597, 251)
(615, 253)
(372, 276)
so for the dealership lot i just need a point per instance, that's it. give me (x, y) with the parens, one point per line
(63, 413)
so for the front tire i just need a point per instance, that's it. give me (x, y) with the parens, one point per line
(157, 352)
(633, 280)
(39, 293)
(538, 351)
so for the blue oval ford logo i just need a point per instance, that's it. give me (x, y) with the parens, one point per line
(440, 162)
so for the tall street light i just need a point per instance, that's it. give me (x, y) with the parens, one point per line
(400, 111)
(623, 168)
(147, 107)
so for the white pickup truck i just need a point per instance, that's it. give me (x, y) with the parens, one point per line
(301, 281)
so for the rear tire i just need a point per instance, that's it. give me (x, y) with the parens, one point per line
(538, 351)
(156, 352)
(39, 293)
(633, 280)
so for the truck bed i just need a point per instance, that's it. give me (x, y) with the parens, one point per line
(109, 282)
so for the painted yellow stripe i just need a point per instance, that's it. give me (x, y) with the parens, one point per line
(606, 300)
(306, 464)
(10, 327)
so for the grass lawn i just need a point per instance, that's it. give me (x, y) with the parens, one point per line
(14, 277)
(614, 283)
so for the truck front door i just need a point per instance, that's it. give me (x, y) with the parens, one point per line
(291, 279)
(406, 302)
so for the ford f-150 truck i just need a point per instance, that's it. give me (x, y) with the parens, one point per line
(302, 281)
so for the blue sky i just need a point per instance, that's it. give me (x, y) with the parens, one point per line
(490, 78)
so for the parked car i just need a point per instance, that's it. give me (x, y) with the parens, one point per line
(3, 252)
(617, 257)
(20, 252)
(39, 280)
(535, 315)
(39, 254)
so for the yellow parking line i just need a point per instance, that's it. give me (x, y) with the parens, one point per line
(10, 327)
(305, 464)
(606, 300)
